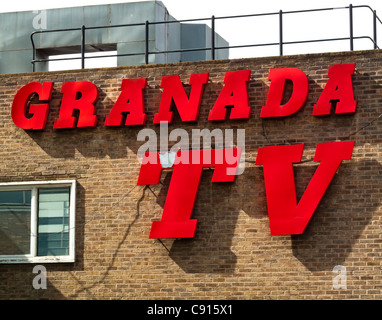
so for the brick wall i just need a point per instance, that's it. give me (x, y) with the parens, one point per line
(233, 255)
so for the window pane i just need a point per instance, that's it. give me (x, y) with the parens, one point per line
(53, 222)
(15, 222)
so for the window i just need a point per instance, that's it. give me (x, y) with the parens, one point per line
(37, 221)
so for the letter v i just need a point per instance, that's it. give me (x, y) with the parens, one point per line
(285, 215)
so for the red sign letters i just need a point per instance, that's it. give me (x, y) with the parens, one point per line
(176, 222)
(286, 216)
(39, 112)
(82, 96)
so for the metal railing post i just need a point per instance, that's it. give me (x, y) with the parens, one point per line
(281, 31)
(351, 27)
(147, 42)
(375, 29)
(33, 54)
(213, 37)
(82, 47)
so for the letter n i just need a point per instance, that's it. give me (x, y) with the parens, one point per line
(173, 90)
(339, 88)
(285, 215)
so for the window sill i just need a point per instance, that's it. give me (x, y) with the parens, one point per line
(27, 259)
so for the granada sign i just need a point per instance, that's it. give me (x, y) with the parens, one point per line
(286, 216)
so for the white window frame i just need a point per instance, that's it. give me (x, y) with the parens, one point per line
(34, 186)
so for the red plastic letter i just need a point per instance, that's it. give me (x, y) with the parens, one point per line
(173, 91)
(131, 101)
(234, 93)
(85, 105)
(176, 222)
(39, 112)
(338, 88)
(285, 215)
(273, 107)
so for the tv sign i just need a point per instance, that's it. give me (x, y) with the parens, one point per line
(286, 216)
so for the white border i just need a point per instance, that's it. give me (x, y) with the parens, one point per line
(32, 258)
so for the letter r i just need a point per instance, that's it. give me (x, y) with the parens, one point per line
(84, 104)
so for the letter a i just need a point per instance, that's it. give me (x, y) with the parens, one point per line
(338, 88)
(285, 215)
(234, 93)
(130, 101)
(39, 281)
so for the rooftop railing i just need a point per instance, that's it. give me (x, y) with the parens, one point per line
(213, 48)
